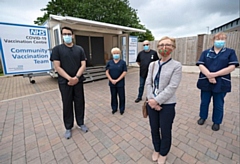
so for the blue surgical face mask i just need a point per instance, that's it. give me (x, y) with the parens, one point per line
(67, 39)
(219, 43)
(146, 48)
(116, 56)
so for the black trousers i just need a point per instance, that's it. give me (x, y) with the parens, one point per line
(161, 127)
(120, 92)
(72, 95)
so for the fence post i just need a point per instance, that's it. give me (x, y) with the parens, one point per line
(200, 40)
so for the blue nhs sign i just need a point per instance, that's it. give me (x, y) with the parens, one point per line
(134, 39)
(37, 32)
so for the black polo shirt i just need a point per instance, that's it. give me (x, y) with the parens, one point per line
(70, 60)
(145, 58)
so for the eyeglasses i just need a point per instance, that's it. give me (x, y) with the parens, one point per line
(69, 34)
(166, 45)
(145, 44)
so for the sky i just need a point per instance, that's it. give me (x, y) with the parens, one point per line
(174, 18)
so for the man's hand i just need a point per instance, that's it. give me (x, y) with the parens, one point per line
(73, 81)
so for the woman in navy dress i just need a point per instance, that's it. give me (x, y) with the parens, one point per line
(116, 70)
(216, 65)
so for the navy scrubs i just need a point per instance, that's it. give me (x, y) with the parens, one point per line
(72, 96)
(215, 62)
(115, 71)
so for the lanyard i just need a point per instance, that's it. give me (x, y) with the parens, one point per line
(157, 78)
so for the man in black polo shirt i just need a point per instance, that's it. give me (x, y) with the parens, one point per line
(144, 58)
(69, 61)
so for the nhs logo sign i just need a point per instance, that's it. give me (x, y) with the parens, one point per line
(37, 32)
(134, 39)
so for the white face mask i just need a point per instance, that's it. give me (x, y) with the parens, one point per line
(67, 39)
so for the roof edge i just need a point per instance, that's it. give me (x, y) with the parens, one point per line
(96, 23)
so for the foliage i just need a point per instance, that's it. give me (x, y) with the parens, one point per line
(109, 11)
(143, 36)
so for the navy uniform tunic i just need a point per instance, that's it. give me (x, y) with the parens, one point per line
(215, 62)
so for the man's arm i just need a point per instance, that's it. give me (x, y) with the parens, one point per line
(156, 57)
(82, 68)
(60, 70)
(138, 58)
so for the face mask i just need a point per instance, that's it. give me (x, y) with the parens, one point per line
(116, 56)
(67, 39)
(165, 52)
(146, 48)
(219, 43)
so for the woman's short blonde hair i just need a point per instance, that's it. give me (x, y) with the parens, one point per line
(220, 34)
(115, 49)
(172, 39)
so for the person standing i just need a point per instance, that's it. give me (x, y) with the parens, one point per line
(162, 81)
(116, 70)
(69, 62)
(215, 66)
(144, 58)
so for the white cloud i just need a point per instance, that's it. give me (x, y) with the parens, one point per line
(184, 17)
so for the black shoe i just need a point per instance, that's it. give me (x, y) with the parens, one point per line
(200, 121)
(215, 127)
(114, 111)
(121, 112)
(137, 100)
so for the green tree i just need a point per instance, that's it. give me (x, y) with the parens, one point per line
(109, 11)
(143, 36)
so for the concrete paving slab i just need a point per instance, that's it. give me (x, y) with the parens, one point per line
(32, 131)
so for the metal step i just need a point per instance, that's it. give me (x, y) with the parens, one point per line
(91, 73)
(94, 73)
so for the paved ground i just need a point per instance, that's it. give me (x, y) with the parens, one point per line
(31, 127)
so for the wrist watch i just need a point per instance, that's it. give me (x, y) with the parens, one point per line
(77, 76)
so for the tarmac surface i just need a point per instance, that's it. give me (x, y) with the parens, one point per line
(32, 130)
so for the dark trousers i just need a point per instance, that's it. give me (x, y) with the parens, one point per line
(161, 127)
(120, 92)
(218, 104)
(141, 87)
(72, 95)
